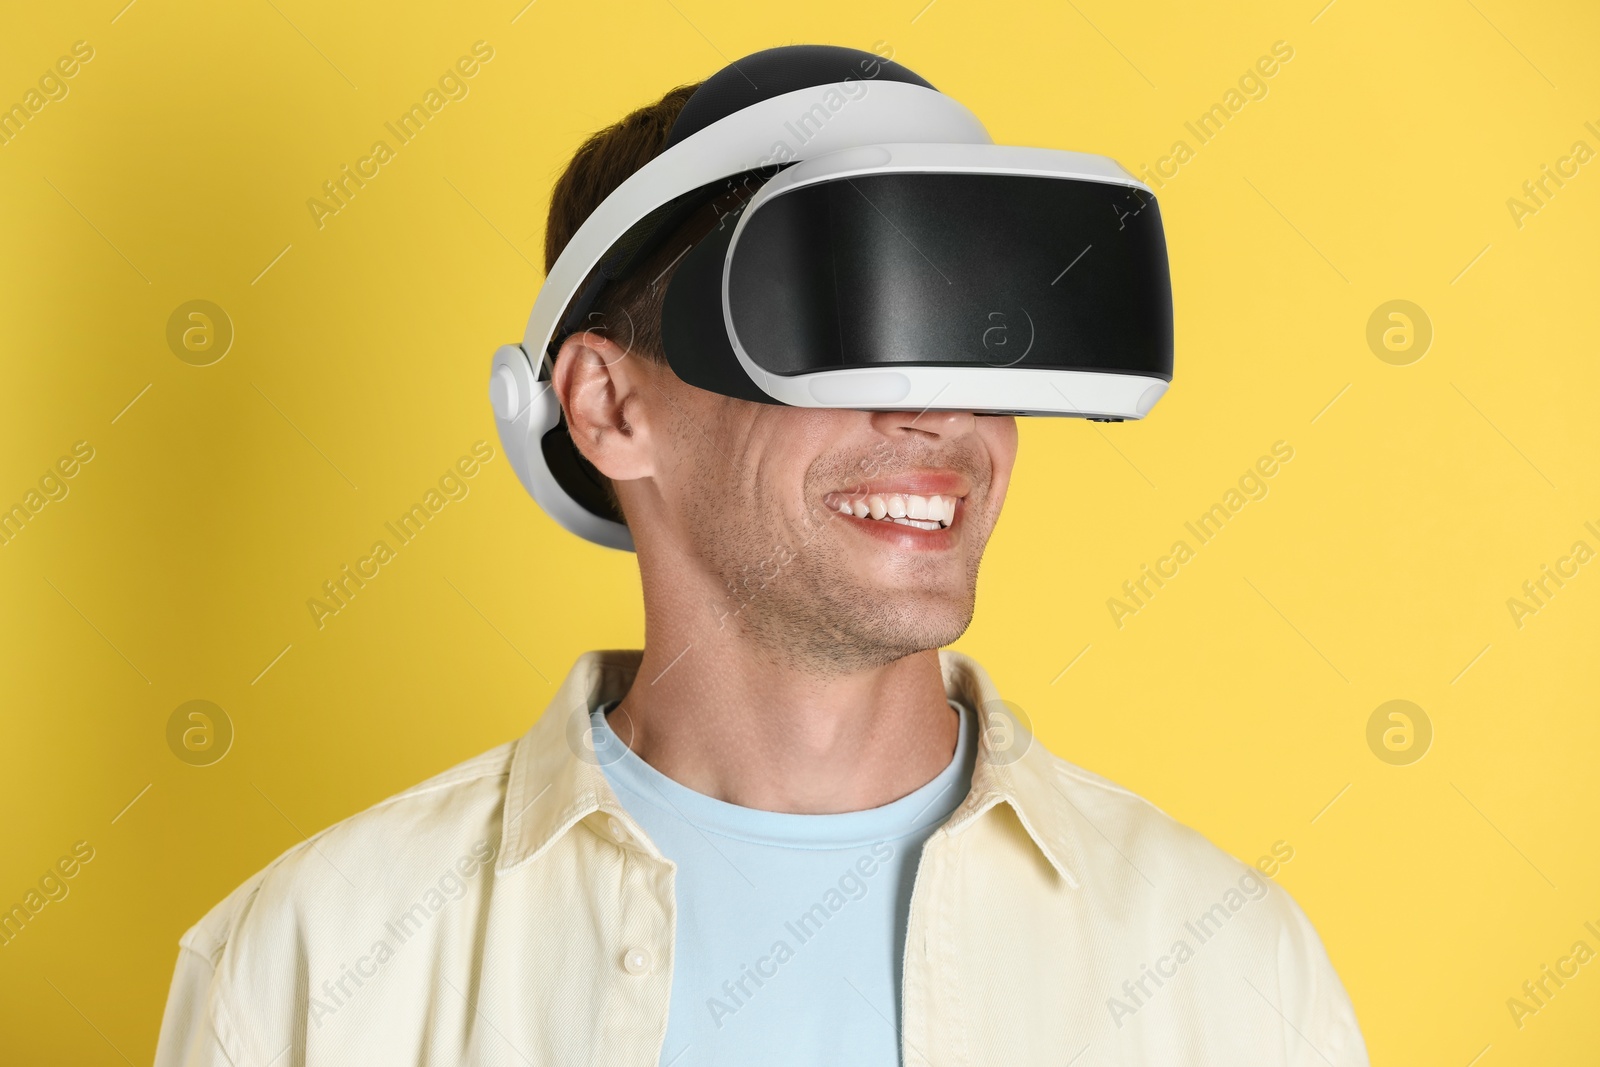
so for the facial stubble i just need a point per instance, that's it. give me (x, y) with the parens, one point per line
(790, 571)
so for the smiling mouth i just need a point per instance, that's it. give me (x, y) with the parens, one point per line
(934, 512)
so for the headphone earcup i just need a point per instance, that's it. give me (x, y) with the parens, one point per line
(521, 410)
(526, 410)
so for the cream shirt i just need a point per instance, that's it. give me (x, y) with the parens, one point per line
(508, 911)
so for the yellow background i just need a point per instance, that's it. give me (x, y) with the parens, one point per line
(1419, 500)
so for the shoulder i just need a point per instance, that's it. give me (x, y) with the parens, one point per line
(1143, 869)
(1166, 891)
(1142, 833)
(356, 861)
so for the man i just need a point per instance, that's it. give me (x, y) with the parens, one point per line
(790, 830)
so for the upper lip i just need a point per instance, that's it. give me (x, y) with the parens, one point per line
(931, 482)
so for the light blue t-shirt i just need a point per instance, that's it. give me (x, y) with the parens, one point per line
(791, 928)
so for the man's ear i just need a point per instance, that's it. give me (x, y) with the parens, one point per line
(603, 388)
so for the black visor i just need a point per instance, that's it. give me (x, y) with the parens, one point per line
(931, 269)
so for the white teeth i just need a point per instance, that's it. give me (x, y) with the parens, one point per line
(907, 509)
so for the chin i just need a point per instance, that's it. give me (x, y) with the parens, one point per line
(918, 626)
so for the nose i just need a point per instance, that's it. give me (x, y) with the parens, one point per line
(933, 424)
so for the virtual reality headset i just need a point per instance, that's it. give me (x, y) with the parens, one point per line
(895, 259)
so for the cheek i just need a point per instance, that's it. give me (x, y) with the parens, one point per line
(999, 433)
(797, 446)
(718, 472)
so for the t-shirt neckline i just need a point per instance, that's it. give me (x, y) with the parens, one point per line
(927, 805)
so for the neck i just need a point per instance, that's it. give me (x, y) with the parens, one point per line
(718, 713)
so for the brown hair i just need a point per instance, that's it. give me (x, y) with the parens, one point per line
(601, 163)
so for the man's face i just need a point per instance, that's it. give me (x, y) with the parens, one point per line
(765, 501)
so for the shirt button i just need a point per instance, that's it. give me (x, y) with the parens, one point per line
(617, 831)
(636, 961)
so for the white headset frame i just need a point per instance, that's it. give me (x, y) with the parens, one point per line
(869, 125)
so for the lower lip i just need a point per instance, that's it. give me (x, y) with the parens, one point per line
(907, 537)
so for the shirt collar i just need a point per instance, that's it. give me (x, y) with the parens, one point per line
(556, 782)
